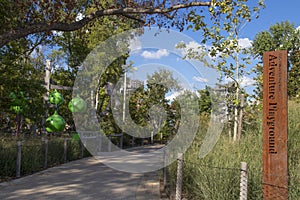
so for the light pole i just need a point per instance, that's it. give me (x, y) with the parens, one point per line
(124, 99)
(124, 96)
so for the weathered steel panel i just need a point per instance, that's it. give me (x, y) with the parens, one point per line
(275, 126)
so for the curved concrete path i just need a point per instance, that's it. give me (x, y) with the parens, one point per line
(83, 179)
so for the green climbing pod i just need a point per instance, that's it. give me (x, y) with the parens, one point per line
(17, 109)
(18, 101)
(75, 136)
(77, 105)
(55, 123)
(56, 98)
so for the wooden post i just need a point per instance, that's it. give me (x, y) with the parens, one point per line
(65, 149)
(152, 137)
(121, 141)
(244, 181)
(179, 177)
(19, 155)
(93, 115)
(165, 170)
(109, 143)
(46, 154)
(100, 143)
(81, 148)
(47, 86)
(47, 80)
(132, 141)
(275, 126)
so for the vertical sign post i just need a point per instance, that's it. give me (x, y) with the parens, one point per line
(275, 126)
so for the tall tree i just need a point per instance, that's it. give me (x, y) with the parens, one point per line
(143, 99)
(22, 76)
(280, 36)
(205, 101)
(223, 44)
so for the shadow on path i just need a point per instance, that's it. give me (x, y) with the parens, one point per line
(83, 179)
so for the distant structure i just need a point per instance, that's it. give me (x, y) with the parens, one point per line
(134, 84)
(131, 85)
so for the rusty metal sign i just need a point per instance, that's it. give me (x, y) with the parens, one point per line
(275, 126)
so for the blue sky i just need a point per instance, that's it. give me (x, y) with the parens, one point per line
(160, 52)
(153, 52)
(275, 11)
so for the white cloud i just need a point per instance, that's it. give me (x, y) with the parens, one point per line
(57, 33)
(244, 81)
(227, 80)
(189, 48)
(79, 17)
(200, 79)
(135, 45)
(245, 42)
(174, 95)
(195, 49)
(193, 45)
(247, 81)
(155, 54)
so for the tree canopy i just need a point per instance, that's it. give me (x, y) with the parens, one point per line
(22, 18)
(281, 36)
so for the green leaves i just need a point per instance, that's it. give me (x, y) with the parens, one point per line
(204, 101)
(280, 36)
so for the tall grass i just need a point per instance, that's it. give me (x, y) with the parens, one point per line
(217, 175)
(294, 150)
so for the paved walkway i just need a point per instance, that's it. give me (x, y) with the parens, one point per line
(83, 180)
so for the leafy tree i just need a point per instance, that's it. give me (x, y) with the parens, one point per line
(185, 112)
(280, 36)
(228, 56)
(204, 101)
(19, 75)
(158, 85)
(23, 18)
(72, 49)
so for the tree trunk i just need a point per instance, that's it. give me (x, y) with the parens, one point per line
(240, 127)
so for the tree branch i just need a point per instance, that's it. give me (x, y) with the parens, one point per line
(28, 29)
(134, 18)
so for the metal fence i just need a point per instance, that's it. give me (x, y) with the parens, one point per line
(27, 157)
(191, 180)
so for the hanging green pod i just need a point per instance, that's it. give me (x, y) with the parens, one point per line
(17, 109)
(55, 123)
(75, 136)
(56, 98)
(18, 101)
(77, 105)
